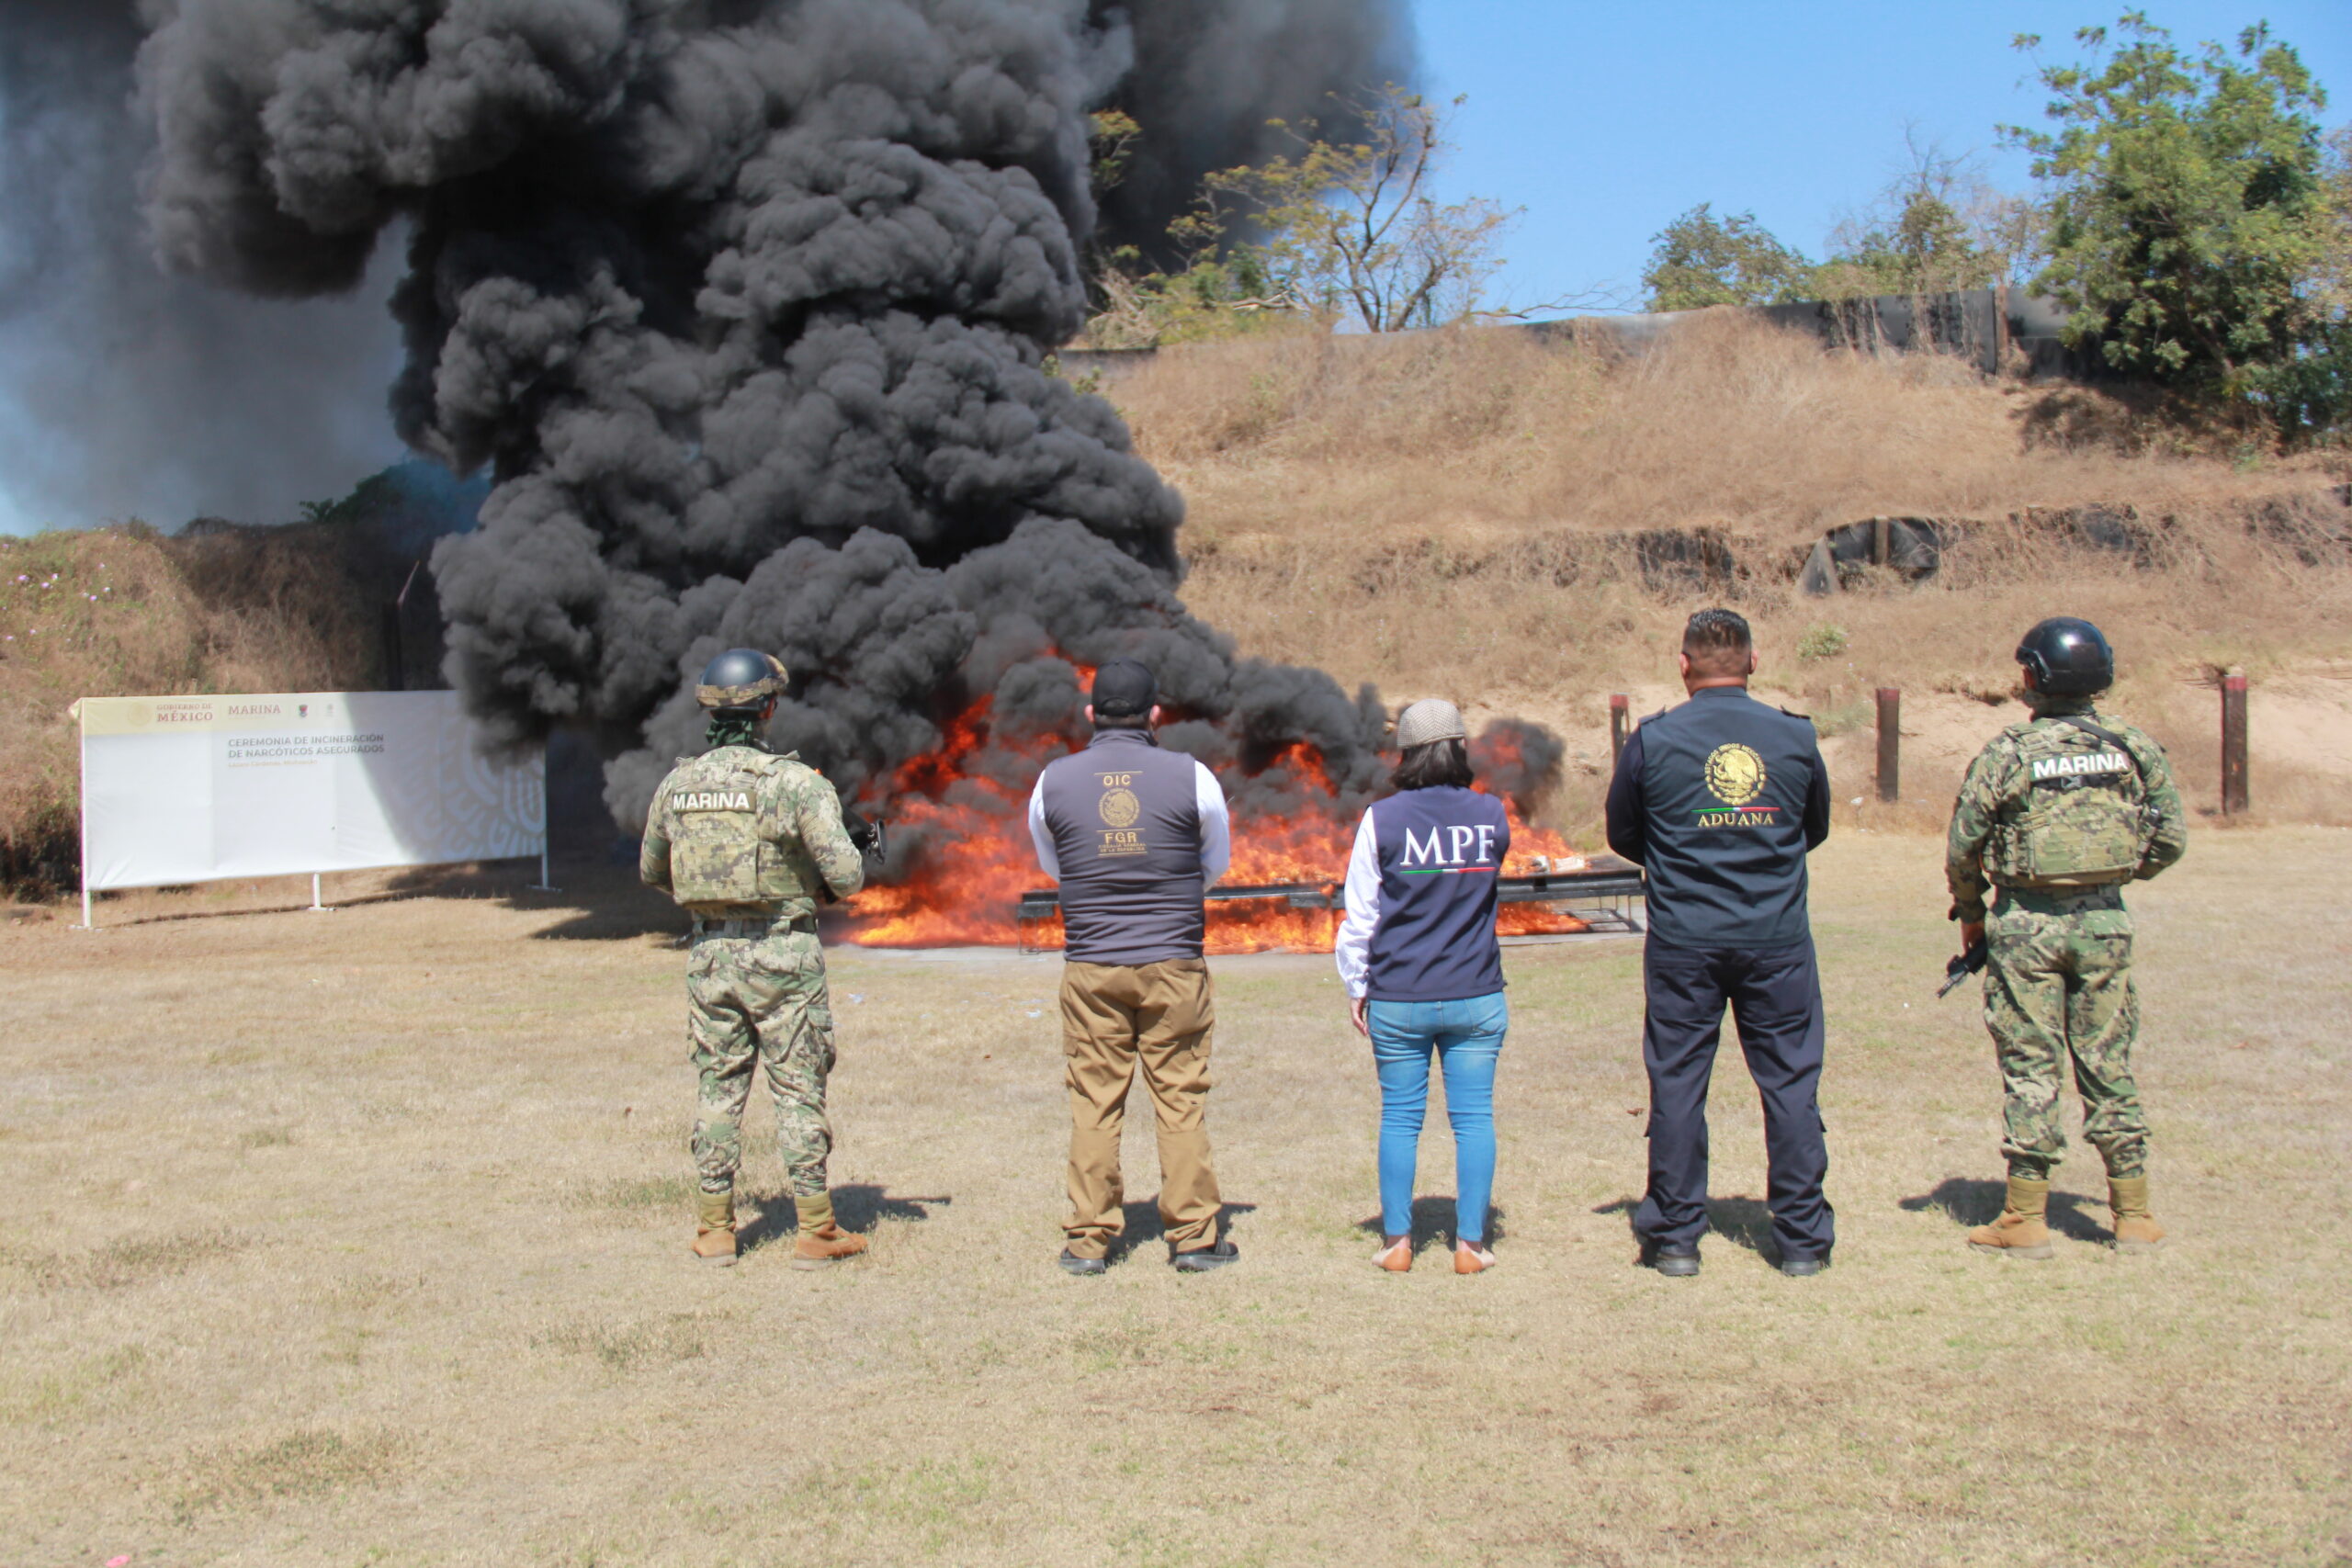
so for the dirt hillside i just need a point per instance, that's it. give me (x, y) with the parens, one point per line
(1523, 524)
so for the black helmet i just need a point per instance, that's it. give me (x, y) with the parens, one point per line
(2068, 656)
(740, 680)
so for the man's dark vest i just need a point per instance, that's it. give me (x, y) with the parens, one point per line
(1441, 853)
(1724, 783)
(1125, 819)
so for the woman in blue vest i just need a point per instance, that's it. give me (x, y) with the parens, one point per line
(1424, 972)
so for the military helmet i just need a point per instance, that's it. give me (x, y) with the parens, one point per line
(740, 680)
(2069, 657)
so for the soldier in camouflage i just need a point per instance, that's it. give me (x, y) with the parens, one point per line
(2058, 813)
(746, 841)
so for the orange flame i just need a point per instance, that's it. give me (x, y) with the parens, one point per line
(978, 859)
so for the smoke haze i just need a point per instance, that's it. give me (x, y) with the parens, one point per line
(745, 303)
(124, 391)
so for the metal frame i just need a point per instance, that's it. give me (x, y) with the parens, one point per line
(1603, 900)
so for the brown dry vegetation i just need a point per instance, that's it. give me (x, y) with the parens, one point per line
(361, 1237)
(118, 611)
(1457, 513)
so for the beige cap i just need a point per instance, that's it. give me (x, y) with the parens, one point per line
(1432, 718)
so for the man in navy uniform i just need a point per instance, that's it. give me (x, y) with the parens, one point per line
(1719, 801)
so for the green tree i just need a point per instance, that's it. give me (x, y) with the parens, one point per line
(2189, 221)
(1701, 260)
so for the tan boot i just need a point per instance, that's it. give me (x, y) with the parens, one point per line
(822, 1243)
(2135, 1229)
(715, 1227)
(2021, 1230)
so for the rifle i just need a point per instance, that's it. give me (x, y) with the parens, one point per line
(870, 835)
(1962, 967)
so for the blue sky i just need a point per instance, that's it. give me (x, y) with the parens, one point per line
(1604, 121)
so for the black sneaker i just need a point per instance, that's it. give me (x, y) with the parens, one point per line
(1803, 1267)
(1073, 1264)
(1203, 1260)
(1674, 1262)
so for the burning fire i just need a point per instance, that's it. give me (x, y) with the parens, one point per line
(978, 859)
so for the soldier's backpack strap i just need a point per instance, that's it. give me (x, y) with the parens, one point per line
(2087, 727)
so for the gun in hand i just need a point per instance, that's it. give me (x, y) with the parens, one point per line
(870, 836)
(1961, 968)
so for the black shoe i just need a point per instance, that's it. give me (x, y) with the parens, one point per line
(1203, 1260)
(1073, 1264)
(1803, 1267)
(1674, 1262)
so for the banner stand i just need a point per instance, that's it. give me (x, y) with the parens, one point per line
(83, 740)
(317, 907)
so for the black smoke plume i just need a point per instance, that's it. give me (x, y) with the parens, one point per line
(746, 304)
(125, 391)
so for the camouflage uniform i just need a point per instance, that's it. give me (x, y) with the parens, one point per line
(2059, 819)
(745, 840)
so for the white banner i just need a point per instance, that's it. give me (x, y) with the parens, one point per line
(192, 789)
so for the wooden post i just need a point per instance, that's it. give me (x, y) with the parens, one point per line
(2233, 783)
(1882, 541)
(1890, 744)
(1619, 714)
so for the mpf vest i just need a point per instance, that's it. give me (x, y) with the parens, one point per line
(1440, 858)
(1125, 819)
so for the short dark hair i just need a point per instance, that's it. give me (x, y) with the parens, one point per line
(1445, 761)
(1718, 642)
(1122, 720)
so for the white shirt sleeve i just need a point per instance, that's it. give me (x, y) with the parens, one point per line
(1217, 827)
(1353, 948)
(1039, 834)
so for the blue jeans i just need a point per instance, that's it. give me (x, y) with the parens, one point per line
(1467, 1036)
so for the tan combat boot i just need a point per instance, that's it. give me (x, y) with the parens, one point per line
(715, 1227)
(2135, 1229)
(2019, 1231)
(822, 1243)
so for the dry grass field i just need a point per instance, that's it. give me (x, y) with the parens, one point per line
(360, 1238)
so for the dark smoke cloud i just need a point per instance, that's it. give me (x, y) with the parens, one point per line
(1208, 75)
(745, 302)
(127, 392)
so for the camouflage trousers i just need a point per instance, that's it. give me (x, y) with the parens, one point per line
(2058, 994)
(754, 997)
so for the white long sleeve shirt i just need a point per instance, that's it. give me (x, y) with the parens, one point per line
(1352, 951)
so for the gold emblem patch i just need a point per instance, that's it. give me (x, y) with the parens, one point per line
(1120, 807)
(1735, 773)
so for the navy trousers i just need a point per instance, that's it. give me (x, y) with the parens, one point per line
(1775, 996)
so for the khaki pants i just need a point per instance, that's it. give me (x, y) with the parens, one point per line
(1114, 1017)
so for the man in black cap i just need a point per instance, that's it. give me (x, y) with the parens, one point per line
(1134, 835)
(1719, 801)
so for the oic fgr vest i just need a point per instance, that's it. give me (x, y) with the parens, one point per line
(718, 811)
(1125, 819)
(2081, 819)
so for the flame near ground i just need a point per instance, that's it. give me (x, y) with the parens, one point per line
(967, 804)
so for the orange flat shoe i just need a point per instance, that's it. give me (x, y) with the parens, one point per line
(1397, 1257)
(1470, 1259)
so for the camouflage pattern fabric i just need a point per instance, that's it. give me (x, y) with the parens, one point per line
(2057, 819)
(759, 998)
(746, 839)
(2014, 828)
(2058, 994)
(739, 831)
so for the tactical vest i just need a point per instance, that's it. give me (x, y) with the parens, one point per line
(726, 845)
(2081, 820)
